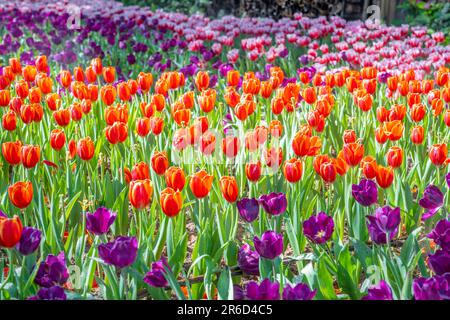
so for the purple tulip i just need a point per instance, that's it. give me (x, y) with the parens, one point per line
(440, 262)
(385, 221)
(447, 178)
(382, 291)
(434, 288)
(300, 292)
(248, 209)
(52, 293)
(274, 203)
(99, 222)
(432, 200)
(29, 241)
(248, 260)
(270, 245)
(238, 293)
(267, 290)
(156, 276)
(366, 192)
(319, 228)
(52, 271)
(441, 234)
(121, 252)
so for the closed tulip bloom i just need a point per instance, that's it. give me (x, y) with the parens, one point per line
(385, 221)
(52, 293)
(52, 271)
(393, 130)
(109, 74)
(273, 157)
(85, 148)
(349, 136)
(65, 78)
(418, 112)
(29, 241)
(207, 143)
(140, 193)
(328, 172)
(417, 135)
(160, 163)
(9, 121)
(156, 125)
(145, 81)
(233, 78)
(22, 89)
(116, 133)
(171, 202)
(57, 139)
(143, 126)
(301, 144)
(156, 277)
(353, 153)
(248, 209)
(253, 171)
(300, 292)
(319, 228)
(108, 94)
(293, 170)
(229, 188)
(438, 154)
(365, 193)
(10, 231)
(124, 91)
(21, 194)
(382, 291)
(248, 260)
(140, 171)
(121, 252)
(30, 156)
(394, 156)
(270, 245)
(384, 176)
(11, 152)
(62, 117)
(274, 203)
(432, 200)
(76, 112)
(230, 146)
(267, 290)
(200, 184)
(202, 80)
(175, 178)
(100, 221)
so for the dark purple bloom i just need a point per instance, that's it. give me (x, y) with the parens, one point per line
(270, 245)
(267, 290)
(441, 234)
(432, 200)
(385, 221)
(274, 203)
(382, 291)
(29, 241)
(52, 293)
(366, 192)
(238, 293)
(440, 262)
(248, 209)
(52, 271)
(300, 292)
(434, 288)
(99, 221)
(447, 178)
(156, 276)
(248, 260)
(121, 252)
(319, 228)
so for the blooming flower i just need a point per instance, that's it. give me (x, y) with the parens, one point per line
(270, 245)
(382, 291)
(441, 234)
(120, 253)
(267, 290)
(319, 228)
(52, 271)
(29, 240)
(366, 192)
(274, 203)
(432, 200)
(440, 262)
(156, 276)
(248, 209)
(434, 288)
(300, 292)
(248, 260)
(385, 221)
(99, 221)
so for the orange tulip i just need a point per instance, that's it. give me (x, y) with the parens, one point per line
(142, 126)
(57, 139)
(207, 143)
(22, 88)
(394, 156)
(9, 121)
(53, 101)
(20, 194)
(85, 148)
(301, 144)
(230, 146)
(175, 179)
(417, 135)
(76, 112)
(369, 167)
(140, 193)
(207, 100)
(29, 73)
(309, 95)
(231, 97)
(62, 117)
(200, 184)
(5, 98)
(109, 74)
(145, 81)
(171, 202)
(10, 231)
(229, 188)
(253, 171)
(418, 112)
(182, 116)
(160, 163)
(393, 129)
(293, 170)
(353, 153)
(30, 156)
(15, 65)
(328, 172)
(156, 125)
(78, 74)
(349, 136)
(65, 78)
(124, 91)
(384, 176)
(233, 78)
(117, 132)
(202, 80)
(11, 152)
(108, 94)
(266, 89)
(438, 154)
(140, 171)
(447, 118)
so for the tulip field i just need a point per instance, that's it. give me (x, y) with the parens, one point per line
(152, 155)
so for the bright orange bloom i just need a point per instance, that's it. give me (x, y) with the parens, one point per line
(20, 194)
(91, 76)
(353, 153)
(340, 164)
(65, 78)
(143, 126)
(175, 179)
(229, 188)
(437, 105)
(10, 231)
(124, 91)
(266, 89)
(349, 136)
(309, 95)
(76, 112)
(44, 83)
(22, 88)
(369, 167)
(418, 112)
(85, 148)
(202, 80)
(9, 121)
(200, 184)
(394, 156)
(30, 156)
(384, 176)
(301, 144)
(160, 163)
(328, 172)
(393, 129)
(156, 125)
(182, 116)
(57, 139)
(438, 154)
(140, 171)
(109, 74)
(108, 94)
(116, 133)
(140, 193)
(171, 202)
(188, 99)
(417, 135)
(62, 117)
(253, 171)
(207, 99)
(145, 81)
(11, 152)
(15, 65)
(447, 118)
(78, 74)
(29, 73)
(293, 170)
(397, 112)
(252, 85)
(207, 143)
(5, 97)
(233, 78)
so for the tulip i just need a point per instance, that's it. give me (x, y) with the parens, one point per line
(328, 172)
(140, 171)
(71, 149)
(274, 203)
(233, 78)
(248, 260)
(11, 152)
(156, 277)
(98, 222)
(52, 293)
(160, 163)
(140, 193)
(276, 128)
(267, 290)
(121, 252)
(207, 143)
(9, 121)
(385, 221)
(57, 139)
(353, 153)
(270, 245)
(439, 262)
(417, 135)
(175, 179)
(293, 170)
(253, 171)
(109, 74)
(349, 136)
(248, 209)
(434, 288)
(230, 146)
(171, 202)
(300, 292)
(143, 126)
(21, 194)
(202, 80)
(10, 231)
(394, 156)
(438, 154)
(365, 193)
(319, 228)
(85, 148)
(116, 133)
(229, 188)
(52, 271)
(62, 117)
(441, 234)
(108, 94)
(301, 144)
(432, 200)
(145, 81)
(124, 91)
(29, 241)
(384, 176)
(273, 157)
(382, 291)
